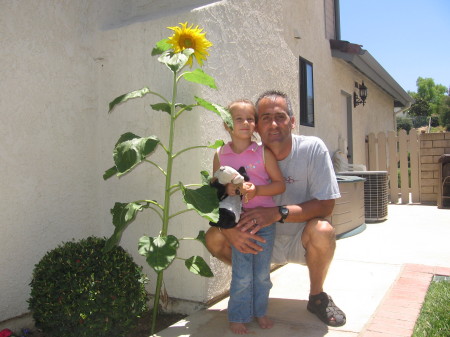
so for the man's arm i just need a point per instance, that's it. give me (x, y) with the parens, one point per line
(297, 213)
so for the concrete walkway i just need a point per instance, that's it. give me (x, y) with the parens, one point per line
(361, 280)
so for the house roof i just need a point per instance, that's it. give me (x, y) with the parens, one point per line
(367, 65)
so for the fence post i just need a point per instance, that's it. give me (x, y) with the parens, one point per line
(403, 156)
(393, 164)
(382, 158)
(372, 152)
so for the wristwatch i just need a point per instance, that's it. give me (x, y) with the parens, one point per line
(284, 212)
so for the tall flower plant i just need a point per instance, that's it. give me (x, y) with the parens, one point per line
(177, 53)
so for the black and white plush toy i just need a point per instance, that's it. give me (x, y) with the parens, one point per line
(230, 206)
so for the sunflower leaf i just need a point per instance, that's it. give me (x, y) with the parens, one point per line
(201, 237)
(123, 215)
(199, 76)
(130, 150)
(110, 172)
(218, 143)
(123, 98)
(217, 109)
(176, 61)
(159, 251)
(203, 200)
(166, 107)
(161, 47)
(197, 265)
(206, 177)
(161, 107)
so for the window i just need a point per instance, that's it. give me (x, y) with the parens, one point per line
(306, 93)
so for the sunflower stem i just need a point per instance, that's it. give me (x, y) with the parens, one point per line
(167, 194)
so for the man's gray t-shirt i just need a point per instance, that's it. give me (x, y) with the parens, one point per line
(308, 173)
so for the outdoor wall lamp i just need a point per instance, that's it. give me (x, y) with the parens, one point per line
(357, 100)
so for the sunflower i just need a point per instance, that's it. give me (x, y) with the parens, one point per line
(187, 37)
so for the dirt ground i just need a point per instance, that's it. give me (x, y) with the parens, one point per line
(143, 328)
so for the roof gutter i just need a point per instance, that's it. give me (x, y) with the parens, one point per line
(367, 65)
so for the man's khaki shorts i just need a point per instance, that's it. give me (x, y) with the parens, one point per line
(289, 248)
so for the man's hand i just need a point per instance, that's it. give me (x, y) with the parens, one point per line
(243, 241)
(252, 220)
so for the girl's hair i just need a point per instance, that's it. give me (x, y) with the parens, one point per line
(245, 101)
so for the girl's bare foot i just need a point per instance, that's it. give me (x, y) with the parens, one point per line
(264, 322)
(238, 328)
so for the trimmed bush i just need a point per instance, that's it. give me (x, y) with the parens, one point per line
(78, 290)
(404, 123)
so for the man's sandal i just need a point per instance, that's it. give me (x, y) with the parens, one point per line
(323, 306)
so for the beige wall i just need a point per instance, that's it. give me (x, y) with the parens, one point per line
(64, 61)
(47, 137)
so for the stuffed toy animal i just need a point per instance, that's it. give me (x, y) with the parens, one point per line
(230, 206)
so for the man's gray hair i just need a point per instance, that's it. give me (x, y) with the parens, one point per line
(273, 94)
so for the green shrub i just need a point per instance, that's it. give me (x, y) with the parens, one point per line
(404, 123)
(78, 290)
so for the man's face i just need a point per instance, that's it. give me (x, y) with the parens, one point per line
(274, 124)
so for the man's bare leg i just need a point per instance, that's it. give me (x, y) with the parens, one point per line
(319, 240)
(217, 245)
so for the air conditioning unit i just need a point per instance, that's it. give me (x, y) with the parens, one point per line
(375, 194)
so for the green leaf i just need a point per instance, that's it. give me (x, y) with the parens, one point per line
(217, 109)
(166, 107)
(159, 251)
(206, 177)
(198, 266)
(199, 76)
(161, 46)
(175, 61)
(123, 214)
(110, 172)
(184, 106)
(131, 149)
(217, 144)
(203, 200)
(201, 237)
(161, 107)
(134, 94)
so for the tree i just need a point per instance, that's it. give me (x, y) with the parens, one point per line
(429, 92)
(444, 115)
(430, 101)
(420, 107)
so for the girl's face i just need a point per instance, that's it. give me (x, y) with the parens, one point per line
(244, 122)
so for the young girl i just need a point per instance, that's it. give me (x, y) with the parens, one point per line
(250, 283)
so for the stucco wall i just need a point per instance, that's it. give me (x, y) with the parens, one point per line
(237, 44)
(375, 116)
(47, 137)
(61, 69)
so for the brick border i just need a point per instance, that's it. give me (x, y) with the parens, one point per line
(397, 314)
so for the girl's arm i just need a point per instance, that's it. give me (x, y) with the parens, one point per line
(230, 188)
(216, 163)
(277, 186)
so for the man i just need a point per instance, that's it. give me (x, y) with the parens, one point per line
(303, 235)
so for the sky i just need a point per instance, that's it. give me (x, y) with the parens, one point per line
(409, 38)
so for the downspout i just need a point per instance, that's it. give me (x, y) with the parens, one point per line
(337, 19)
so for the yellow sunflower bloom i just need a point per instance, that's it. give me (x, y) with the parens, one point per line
(187, 37)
